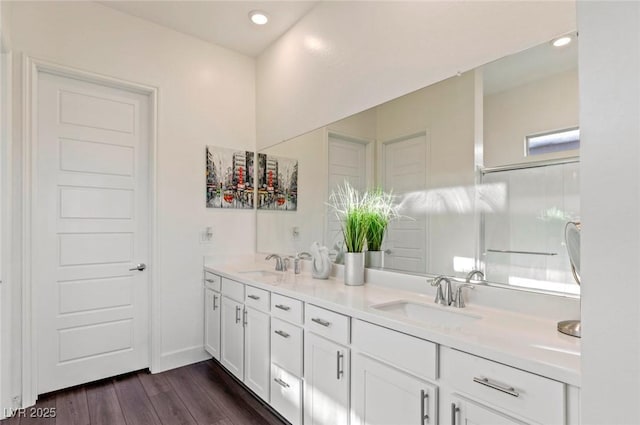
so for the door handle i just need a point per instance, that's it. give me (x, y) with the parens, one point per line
(237, 314)
(215, 298)
(139, 267)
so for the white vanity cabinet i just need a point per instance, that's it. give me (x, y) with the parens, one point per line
(327, 369)
(245, 329)
(465, 412)
(390, 377)
(212, 314)
(232, 337)
(257, 324)
(287, 357)
(484, 392)
(316, 366)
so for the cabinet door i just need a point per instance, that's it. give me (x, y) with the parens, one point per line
(326, 376)
(212, 323)
(256, 351)
(232, 332)
(464, 412)
(383, 395)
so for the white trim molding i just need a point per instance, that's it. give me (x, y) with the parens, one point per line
(31, 68)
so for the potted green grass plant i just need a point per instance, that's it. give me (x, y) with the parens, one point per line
(381, 210)
(351, 208)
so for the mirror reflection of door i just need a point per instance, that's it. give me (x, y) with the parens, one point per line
(404, 168)
(347, 162)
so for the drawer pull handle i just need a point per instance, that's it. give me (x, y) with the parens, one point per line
(210, 280)
(454, 412)
(237, 314)
(283, 307)
(339, 368)
(215, 298)
(424, 397)
(282, 334)
(321, 322)
(281, 382)
(253, 297)
(505, 389)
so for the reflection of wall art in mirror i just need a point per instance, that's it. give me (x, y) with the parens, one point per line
(277, 183)
(229, 178)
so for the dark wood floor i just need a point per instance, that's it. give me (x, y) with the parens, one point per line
(199, 394)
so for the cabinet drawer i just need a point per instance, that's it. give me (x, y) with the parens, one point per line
(286, 395)
(327, 323)
(417, 356)
(257, 298)
(212, 281)
(286, 308)
(286, 346)
(506, 388)
(233, 289)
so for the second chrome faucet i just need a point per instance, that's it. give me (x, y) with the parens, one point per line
(445, 294)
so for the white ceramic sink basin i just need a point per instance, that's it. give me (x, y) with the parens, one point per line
(432, 314)
(260, 273)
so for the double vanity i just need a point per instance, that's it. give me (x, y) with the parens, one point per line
(319, 352)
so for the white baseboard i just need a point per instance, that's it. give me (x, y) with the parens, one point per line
(183, 357)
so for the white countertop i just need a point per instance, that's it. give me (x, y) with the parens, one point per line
(525, 342)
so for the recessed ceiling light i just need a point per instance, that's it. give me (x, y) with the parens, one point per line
(561, 41)
(258, 17)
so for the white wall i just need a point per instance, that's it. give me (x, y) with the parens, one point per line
(609, 63)
(206, 96)
(345, 57)
(547, 104)
(275, 228)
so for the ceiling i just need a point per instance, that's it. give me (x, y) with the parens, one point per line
(225, 23)
(530, 65)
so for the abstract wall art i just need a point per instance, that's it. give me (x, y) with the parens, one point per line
(230, 178)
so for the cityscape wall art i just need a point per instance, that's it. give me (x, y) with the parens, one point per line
(277, 183)
(230, 178)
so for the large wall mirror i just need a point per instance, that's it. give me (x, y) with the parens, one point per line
(485, 167)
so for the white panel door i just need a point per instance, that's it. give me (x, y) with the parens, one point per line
(90, 227)
(382, 395)
(347, 162)
(404, 171)
(212, 323)
(232, 337)
(326, 381)
(257, 327)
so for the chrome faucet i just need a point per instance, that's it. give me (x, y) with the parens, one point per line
(458, 301)
(472, 273)
(443, 296)
(296, 260)
(279, 262)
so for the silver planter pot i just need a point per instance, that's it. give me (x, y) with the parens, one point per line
(374, 259)
(354, 268)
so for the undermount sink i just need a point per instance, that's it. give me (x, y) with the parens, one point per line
(433, 314)
(260, 273)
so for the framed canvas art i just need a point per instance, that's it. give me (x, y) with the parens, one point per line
(230, 177)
